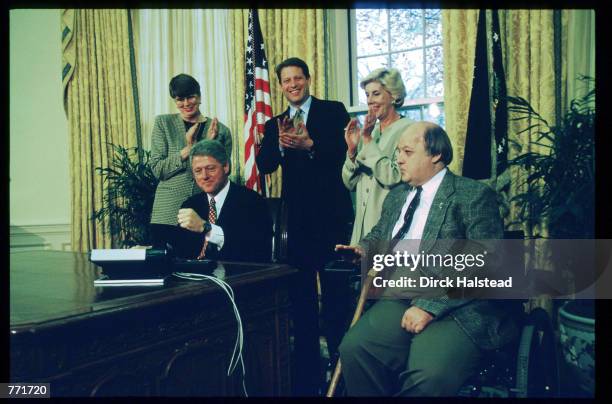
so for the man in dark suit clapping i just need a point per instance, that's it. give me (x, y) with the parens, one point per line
(307, 140)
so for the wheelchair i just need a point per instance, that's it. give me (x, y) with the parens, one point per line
(526, 367)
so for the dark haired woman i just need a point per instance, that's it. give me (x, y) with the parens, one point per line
(172, 138)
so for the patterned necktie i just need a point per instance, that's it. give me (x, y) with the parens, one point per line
(298, 118)
(408, 217)
(212, 211)
(212, 219)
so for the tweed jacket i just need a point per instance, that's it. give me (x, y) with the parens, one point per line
(176, 182)
(462, 209)
(373, 174)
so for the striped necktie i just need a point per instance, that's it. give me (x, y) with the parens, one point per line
(408, 216)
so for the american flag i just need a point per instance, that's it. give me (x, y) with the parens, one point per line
(257, 105)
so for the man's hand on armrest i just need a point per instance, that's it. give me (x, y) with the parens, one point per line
(352, 253)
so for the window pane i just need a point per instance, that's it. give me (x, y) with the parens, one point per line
(435, 113)
(407, 39)
(410, 65)
(433, 27)
(371, 31)
(434, 68)
(364, 67)
(406, 29)
(413, 113)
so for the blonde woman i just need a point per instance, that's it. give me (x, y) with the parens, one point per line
(369, 166)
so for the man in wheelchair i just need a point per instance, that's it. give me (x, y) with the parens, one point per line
(424, 345)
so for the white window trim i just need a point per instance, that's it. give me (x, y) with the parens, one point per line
(343, 43)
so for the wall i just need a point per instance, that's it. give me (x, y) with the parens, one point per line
(39, 176)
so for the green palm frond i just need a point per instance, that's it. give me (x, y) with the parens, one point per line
(560, 181)
(130, 186)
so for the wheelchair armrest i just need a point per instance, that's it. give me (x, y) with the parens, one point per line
(342, 266)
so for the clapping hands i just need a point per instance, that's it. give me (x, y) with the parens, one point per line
(352, 133)
(368, 126)
(290, 137)
(213, 130)
(190, 136)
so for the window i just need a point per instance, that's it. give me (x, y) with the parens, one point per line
(409, 40)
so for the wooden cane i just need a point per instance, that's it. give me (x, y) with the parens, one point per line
(360, 303)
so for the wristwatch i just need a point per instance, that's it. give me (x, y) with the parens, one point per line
(207, 227)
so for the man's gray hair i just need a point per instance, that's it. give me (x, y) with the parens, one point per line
(211, 148)
(390, 80)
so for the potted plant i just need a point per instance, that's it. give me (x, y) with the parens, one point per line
(130, 193)
(560, 190)
(560, 182)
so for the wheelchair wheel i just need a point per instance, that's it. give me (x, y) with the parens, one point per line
(537, 373)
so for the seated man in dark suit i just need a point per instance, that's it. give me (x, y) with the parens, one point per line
(226, 221)
(422, 346)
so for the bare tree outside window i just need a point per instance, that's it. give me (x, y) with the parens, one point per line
(409, 40)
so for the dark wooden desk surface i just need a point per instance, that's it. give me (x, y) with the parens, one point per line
(55, 286)
(53, 302)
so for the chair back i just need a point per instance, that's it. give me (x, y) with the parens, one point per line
(278, 213)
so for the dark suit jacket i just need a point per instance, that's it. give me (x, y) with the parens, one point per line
(245, 220)
(462, 209)
(319, 205)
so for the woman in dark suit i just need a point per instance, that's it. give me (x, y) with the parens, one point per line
(172, 138)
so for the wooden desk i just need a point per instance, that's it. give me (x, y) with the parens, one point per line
(145, 341)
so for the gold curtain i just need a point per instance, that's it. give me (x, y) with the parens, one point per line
(528, 43)
(528, 49)
(578, 56)
(99, 97)
(286, 33)
(459, 29)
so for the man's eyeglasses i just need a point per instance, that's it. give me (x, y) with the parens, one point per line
(189, 98)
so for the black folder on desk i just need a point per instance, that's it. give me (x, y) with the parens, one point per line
(184, 243)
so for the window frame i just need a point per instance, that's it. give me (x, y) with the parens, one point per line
(355, 109)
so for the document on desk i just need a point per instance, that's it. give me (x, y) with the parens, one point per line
(104, 281)
(106, 255)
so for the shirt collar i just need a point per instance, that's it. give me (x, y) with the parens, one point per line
(305, 107)
(431, 187)
(220, 197)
